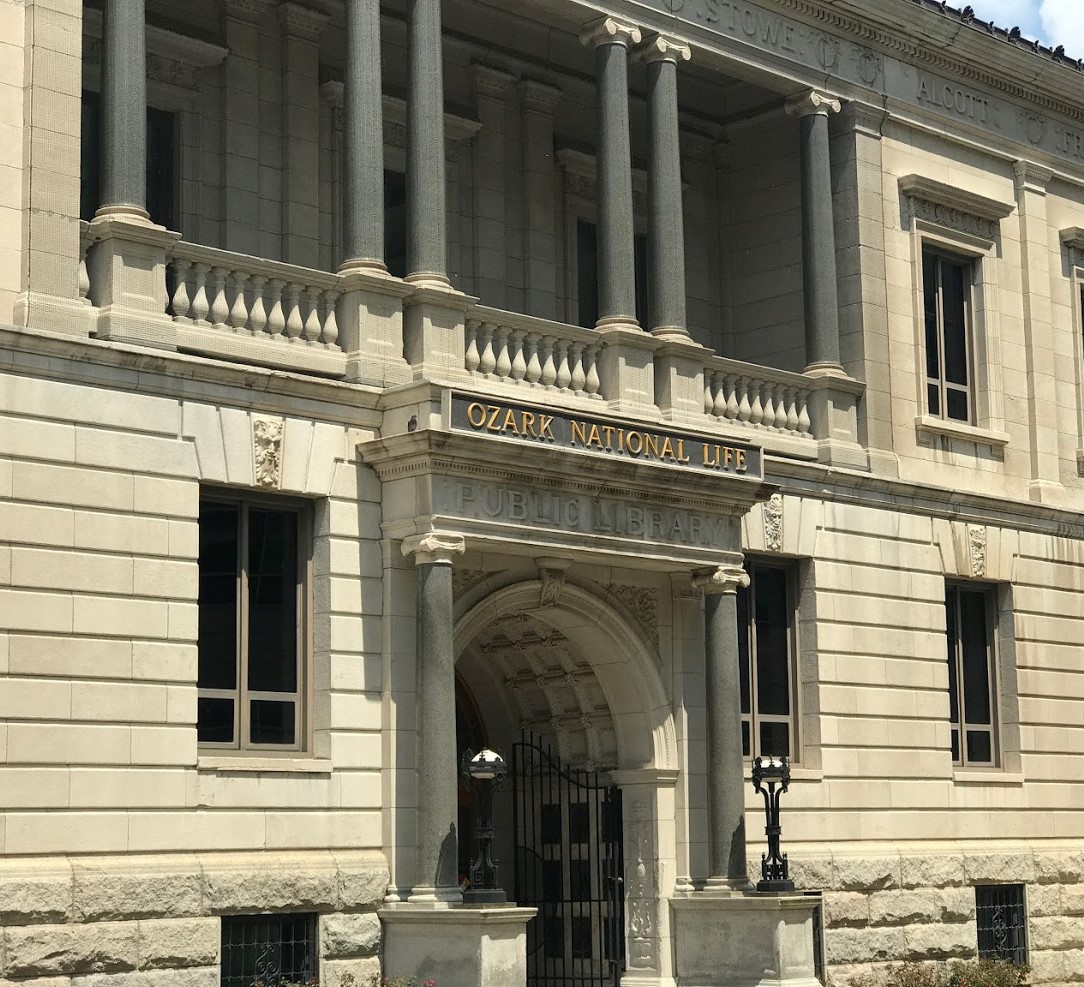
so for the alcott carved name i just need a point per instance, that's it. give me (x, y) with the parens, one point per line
(550, 427)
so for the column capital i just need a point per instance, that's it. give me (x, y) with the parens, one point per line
(1031, 177)
(812, 102)
(608, 31)
(721, 579)
(538, 97)
(434, 546)
(659, 48)
(488, 81)
(302, 22)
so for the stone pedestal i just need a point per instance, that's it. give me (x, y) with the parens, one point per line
(744, 940)
(459, 945)
(370, 315)
(833, 411)
(126, 265)
(434, 331)
(679, 379)
(626, 368)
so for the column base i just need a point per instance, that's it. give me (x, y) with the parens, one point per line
(458, 945)
(744, 940)
(727, 885)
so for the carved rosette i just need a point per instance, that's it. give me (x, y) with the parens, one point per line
(773, 523)
(267, 451)
(976, 543)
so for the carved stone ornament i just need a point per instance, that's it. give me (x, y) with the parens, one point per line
(552, 573)
(953, 219)
(464, 579)
(644, 604)
(607, 30)
(267, 451)
(434, 546)
(773, 523)
(301, 22)
(812, 102)
(722, 579)
(657, 47)
(976, 542)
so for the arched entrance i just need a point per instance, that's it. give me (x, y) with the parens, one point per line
(571, 695)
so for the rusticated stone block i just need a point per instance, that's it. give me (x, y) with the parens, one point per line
(266, 883)
(332, 972)
(808, 873)
(1053, 899)
(864, 945)
(1001, 868)
(922, 905)
(934, 871)
(940, 941)
(1072, 899)
(845, 908)
(42, 950)
(33, 892)
(1059, 867)
(350, 935)
(113, 888)
(179, 942)
(866, 873)
(1048, 966)
(363, 879)
(1057, 932)
(191, 977)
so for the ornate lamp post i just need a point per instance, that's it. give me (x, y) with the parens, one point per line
(485, 772)
(771, 778)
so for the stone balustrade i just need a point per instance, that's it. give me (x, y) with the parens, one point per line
(532, 353)
(254, 310)
(757, 397)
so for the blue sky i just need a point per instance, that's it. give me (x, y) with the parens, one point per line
(1054, 22)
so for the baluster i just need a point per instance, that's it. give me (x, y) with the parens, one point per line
(180, 303)
(294, 324)
(744, 409)
(709, 394)
(803, 412)
(200, 305)
(276, 318)
(504, 360)
(330, 335)
(564, 374)
(549, 367)
(756, 409)
(519, 362)
(732, 405)
(534, 367)
(471, 358)
(220, 310)
(792, 409)
(83, 280)
(238, 316)
(718, 407)
(593, 382)
(768, 407)
(257, 314)
(780, 408)
(579, 377)
(489, 358)
(311, 332)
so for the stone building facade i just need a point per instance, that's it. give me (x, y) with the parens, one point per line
(632, 390)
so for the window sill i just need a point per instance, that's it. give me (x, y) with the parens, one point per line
(987, 776)
(278, 765)
(959, 430)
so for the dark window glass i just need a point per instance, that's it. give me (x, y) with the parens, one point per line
(933, 396)
(746, 752)
(272, 601)
(979, 747)
(214, 719)
(554, 938)
(579, 823)
(643, 311)
(587, 274)
(582, 942)
(551, 823)
(956, 405)
(929, 291)
(773, 642)
(952, 310)
(1002, 923)
(552, 881)
(774, 738)
(219, 527)
(579, 876)
(951, 604)
(743, 648)
(946, 286)
(971, 700)
(395, 223)
(89, 155)
(272, 722)
(975, 657)
(269, 949)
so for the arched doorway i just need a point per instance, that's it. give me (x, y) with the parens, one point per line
(570, 694)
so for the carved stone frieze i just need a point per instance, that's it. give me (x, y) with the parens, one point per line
(773, 523)
(953, 219)
(267, 451)
(643, 602)
(464, 579)
(976, 543)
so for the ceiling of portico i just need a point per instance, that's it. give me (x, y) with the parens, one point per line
(549, 686)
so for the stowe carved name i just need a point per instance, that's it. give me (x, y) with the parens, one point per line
(619, 439)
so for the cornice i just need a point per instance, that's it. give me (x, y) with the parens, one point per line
(302, 22)
(940, 194)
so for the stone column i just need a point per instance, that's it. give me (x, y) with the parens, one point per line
(818, 234)
(616, 258)
(722, 693)
(363, 140)
(427, 235)
(436, 875)
(124, 110)
(666, 247)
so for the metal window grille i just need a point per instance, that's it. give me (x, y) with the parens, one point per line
(269, 950)
(818, 943)
(1002, 923)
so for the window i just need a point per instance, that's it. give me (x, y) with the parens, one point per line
(587, 274)
(970, 621)
(252, 566)
(1002, 923)
(766, 650)
(161, 162)
(946, 289)
(268, 949)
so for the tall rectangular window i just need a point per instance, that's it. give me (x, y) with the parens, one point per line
(946, 288)
(251, 625)
(766, 659)
(587, 274)
(1001, 920)
(970, 624)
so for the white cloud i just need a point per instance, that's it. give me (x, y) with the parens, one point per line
(1063, 24)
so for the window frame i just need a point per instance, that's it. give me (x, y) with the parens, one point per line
(993, 676)
(941, 257)
(242, 695)
(1016, 887)
(246, 923)
(753, 717)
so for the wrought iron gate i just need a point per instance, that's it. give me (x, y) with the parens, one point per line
(569, 863)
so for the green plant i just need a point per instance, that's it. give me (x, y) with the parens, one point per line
(957, 973)
(375, 981)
